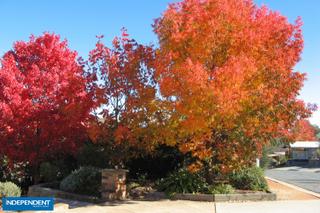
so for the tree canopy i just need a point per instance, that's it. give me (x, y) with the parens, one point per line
(226, 68)
(44, 104)
(219, 85)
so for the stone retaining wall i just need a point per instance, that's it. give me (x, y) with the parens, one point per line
(41, 190)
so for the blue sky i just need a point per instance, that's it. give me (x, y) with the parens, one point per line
(80, 21)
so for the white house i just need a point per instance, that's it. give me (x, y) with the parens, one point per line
(304, 150)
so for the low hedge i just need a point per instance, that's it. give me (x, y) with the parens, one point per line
(182, 181)
(251, 178)
(85, 180)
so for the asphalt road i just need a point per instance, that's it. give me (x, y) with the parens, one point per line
(307, 178)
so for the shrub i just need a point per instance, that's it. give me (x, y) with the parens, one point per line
(85, 180)
(156, 165)
(57, 169)
(221, 189)
(93, 155)
(132, 185)
(9, 189)
(283, 160)
(13, 171)
(182, 181)
(251, 178)
(49, 172)
(265, 161)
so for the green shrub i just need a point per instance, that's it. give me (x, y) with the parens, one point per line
(9, 189)
(132, 185)
(49, 172)
(221, 189)
(251, 178)
(265, 161)
(57, 169)
(283, 160)
(182, 181)
(65, 164)
(93, 155)
(159, 164)
(85, 180)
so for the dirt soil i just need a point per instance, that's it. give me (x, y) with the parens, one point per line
(287, 193)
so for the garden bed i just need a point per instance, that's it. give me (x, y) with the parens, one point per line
(243, 196)
(49, 190)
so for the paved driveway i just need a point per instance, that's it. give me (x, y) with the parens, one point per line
(307, 178)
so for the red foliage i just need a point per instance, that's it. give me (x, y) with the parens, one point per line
(44, 105)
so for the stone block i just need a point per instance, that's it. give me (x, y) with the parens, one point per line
(113, 184)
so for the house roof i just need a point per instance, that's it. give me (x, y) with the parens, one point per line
(305, 144)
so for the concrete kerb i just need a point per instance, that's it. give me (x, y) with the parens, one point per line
(254, 196)
(294, 187)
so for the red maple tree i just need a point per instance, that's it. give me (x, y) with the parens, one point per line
(44, 104)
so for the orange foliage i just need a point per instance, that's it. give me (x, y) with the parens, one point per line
(225, 70)
(126, 88)
(304, 131)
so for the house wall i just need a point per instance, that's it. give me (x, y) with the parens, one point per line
(303, 153)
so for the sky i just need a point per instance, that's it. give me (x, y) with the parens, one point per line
(80, 21)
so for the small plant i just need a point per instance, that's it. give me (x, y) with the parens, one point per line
(86, 180)
(265, 161)
(221, 189)
(9, 189)
(132, 185)
(251, 178)
(283, 160)
(16, 172)
(182, 181)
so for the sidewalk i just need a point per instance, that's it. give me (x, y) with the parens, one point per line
(163, 206)
(166, 206)
(288, 206)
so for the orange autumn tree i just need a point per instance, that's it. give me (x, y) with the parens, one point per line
(225, 71)
(304, 131)
(126, 88)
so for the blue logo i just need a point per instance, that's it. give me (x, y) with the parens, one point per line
(27, 203)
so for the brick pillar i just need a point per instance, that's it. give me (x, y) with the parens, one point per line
(113, 184)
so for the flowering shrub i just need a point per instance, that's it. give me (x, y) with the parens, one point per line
(9, 189)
